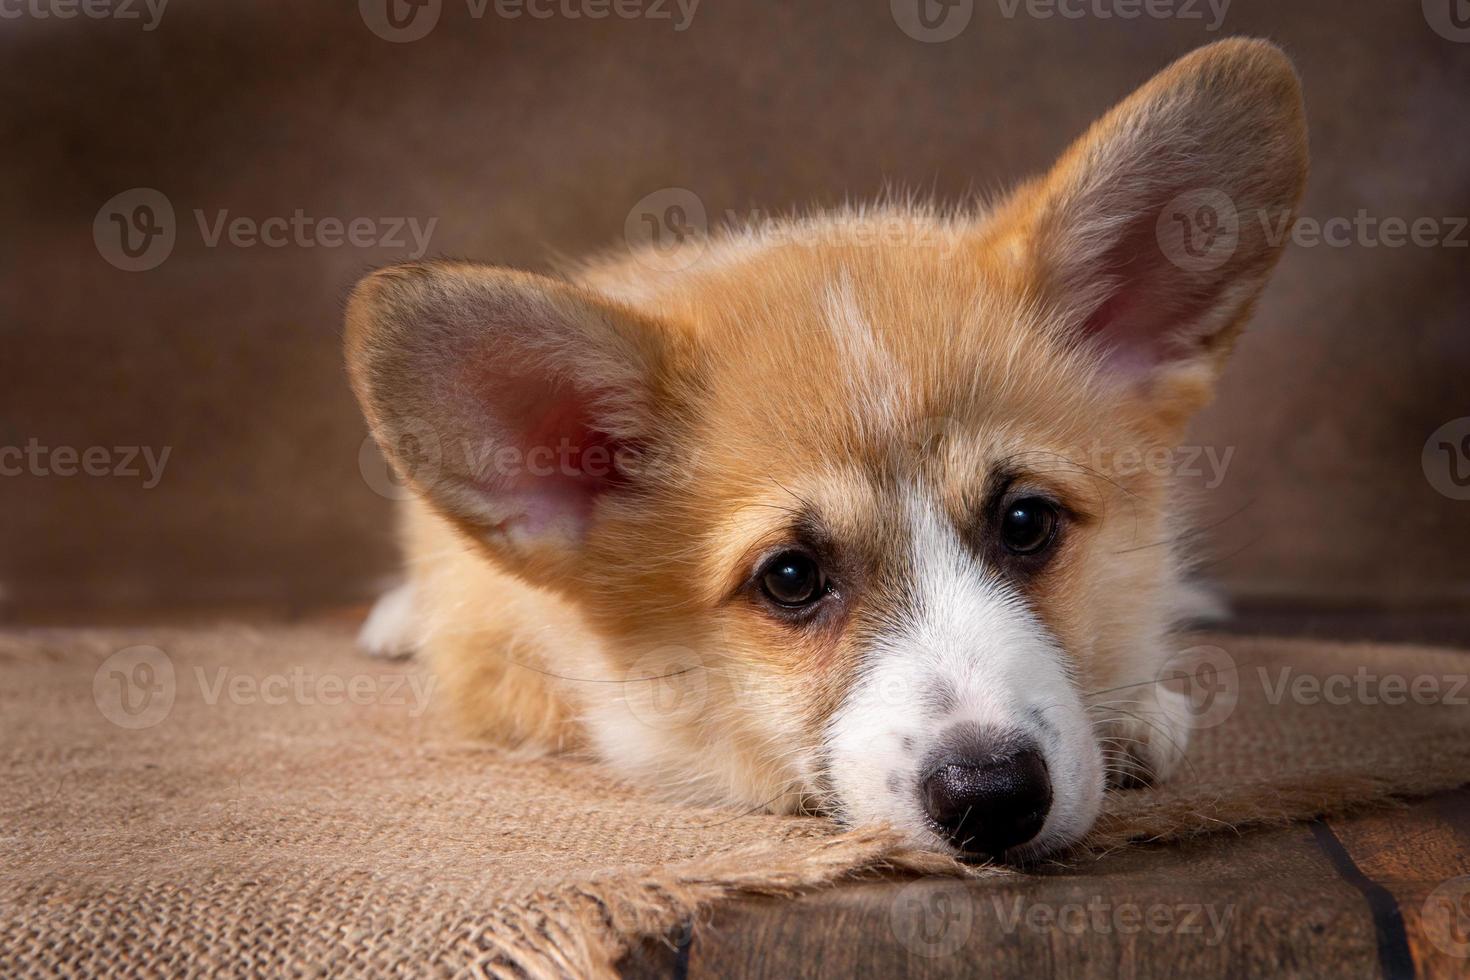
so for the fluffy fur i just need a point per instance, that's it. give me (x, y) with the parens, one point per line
(603, 461)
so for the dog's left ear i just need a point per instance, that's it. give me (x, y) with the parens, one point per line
(1155, 232)
(520, 407)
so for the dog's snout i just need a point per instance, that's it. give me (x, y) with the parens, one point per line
(986, 801)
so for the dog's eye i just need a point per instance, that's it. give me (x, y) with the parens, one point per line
(1028, 525)
(793, 579)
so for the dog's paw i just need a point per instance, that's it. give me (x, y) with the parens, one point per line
(1146, 741)
(390, 630)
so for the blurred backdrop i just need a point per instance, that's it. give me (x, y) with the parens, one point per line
(189, 188)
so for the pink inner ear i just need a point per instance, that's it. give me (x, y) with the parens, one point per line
(561, 461)
(1123, 335)
(1144, 322)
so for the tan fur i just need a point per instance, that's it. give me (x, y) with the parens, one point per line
(825, 363)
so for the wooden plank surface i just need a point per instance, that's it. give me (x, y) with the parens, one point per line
(1337, 899)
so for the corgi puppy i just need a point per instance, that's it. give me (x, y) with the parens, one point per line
(812, 516)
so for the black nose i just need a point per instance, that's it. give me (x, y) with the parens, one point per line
(986, 804)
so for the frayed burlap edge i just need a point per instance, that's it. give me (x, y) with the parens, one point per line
(583, 930)
(1274, 806)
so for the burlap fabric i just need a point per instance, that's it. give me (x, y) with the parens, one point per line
(243, 800)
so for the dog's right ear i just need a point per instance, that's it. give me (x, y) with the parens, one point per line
(1152, 236)
(515, 404)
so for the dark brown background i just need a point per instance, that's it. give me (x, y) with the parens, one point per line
(526, 138)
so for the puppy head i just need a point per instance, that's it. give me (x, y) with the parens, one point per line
(850, 492)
